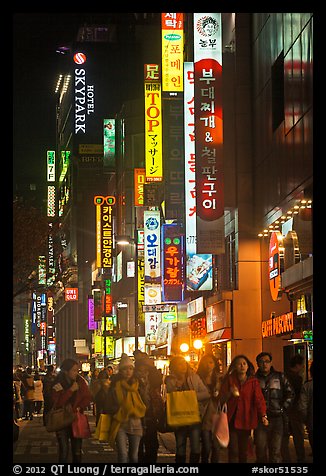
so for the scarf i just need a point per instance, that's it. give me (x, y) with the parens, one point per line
(131, 405)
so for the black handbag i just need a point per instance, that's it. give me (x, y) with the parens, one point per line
(59, 418)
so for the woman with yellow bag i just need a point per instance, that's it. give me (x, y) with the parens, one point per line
(124, 408)
(187, 397)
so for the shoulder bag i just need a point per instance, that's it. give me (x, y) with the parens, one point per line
(220, 426)
(59, 418)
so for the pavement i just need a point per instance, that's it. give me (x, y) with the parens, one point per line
(35, 445)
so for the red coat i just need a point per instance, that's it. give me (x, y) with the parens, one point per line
(249, 406)
(61, 395)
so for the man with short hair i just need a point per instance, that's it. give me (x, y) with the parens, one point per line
(295, 421)
(278, 394)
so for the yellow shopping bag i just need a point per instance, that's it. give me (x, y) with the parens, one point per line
(182, 408)
(103, 427)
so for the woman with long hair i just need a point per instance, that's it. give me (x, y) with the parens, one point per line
(127, 409)
(180, 378)
(241, 391)
(209, 371)
(70, 388)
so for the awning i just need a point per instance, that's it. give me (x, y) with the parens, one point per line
(220, 335)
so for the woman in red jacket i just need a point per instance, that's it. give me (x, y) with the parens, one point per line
(70, 388)
(245, 403)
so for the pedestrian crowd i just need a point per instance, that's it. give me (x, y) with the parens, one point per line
(136, 402)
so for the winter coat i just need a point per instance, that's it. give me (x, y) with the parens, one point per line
(150, 391)
(193, 382)
(101, 393)
(29, 387)
(62, 395)
(38, 391)
(248, 407)
(131, 409)
(305, 404)
(211, 406)
(277, 391)
(296, 382)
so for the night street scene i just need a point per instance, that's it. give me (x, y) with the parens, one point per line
(162, 243)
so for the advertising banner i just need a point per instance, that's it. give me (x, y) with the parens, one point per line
(172, 52)
(152, 246)
(209, 132)
(153, 124)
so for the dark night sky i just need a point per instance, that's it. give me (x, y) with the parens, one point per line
(35, 66)
(36, 36)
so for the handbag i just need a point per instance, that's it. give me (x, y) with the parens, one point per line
(59, 418)
(162, 424)
(80, 426)
(102, 427)
(220, 426)
(182, 408)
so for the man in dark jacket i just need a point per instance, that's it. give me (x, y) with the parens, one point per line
(279, 395)
(48, 380)
(295, 421)
(150, 381)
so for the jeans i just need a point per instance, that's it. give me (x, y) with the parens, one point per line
(127, 446)
(181, 435)
(209, 447)
(238, 446)
(63, 437)
(295, 427)
(268, 441)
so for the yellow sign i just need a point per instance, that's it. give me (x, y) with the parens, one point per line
(153, 127)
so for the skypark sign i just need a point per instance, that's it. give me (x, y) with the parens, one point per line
(84, 96)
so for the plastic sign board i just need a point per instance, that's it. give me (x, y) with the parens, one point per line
(152, 246)
(104, 231)
(172, 52)
(173, 274)
(50, 156)
(153, 124)
(71, 294)
(209, 133)
(275, 264)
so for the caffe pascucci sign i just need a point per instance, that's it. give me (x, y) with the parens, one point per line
(84, 95)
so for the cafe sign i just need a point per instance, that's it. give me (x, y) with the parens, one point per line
(278, 325)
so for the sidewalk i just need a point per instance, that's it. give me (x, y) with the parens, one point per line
(36, 445)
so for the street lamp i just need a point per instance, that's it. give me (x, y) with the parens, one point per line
(123, 241)
(198, 345)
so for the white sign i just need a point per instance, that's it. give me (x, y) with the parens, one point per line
(152, 244)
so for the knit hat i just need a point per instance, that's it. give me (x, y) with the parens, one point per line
(141, 358)
(125, 361)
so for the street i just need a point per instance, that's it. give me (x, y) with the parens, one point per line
(35, 445)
